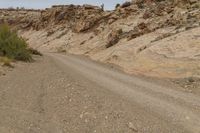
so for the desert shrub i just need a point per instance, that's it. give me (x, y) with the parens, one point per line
(117, 5)
(197, 5)
(12, 46)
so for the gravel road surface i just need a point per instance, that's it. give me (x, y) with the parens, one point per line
(68, 94)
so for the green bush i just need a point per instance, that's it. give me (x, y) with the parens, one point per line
(12, 46)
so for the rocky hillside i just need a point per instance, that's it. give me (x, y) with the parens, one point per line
(150, 37)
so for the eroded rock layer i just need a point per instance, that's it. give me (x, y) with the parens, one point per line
(150, 37)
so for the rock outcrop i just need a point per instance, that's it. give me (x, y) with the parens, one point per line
(149, 37)
(78, 18)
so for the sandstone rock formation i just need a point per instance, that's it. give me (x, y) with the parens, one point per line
(149, 37)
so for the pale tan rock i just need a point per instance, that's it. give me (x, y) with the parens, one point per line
(158, 39)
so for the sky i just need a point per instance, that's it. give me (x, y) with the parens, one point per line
(41, 4)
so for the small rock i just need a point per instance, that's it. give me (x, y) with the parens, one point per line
(81, 116)
(187, 117)
(86, 120)
(106, 117)
(132, 127)
(68, 85)
(186, 86)
(190, 91)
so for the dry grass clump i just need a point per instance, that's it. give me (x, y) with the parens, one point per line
(5, 61)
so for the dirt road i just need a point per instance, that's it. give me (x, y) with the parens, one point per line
(68, 94)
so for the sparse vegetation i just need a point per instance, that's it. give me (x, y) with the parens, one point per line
(117, 5)
(12, 46)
